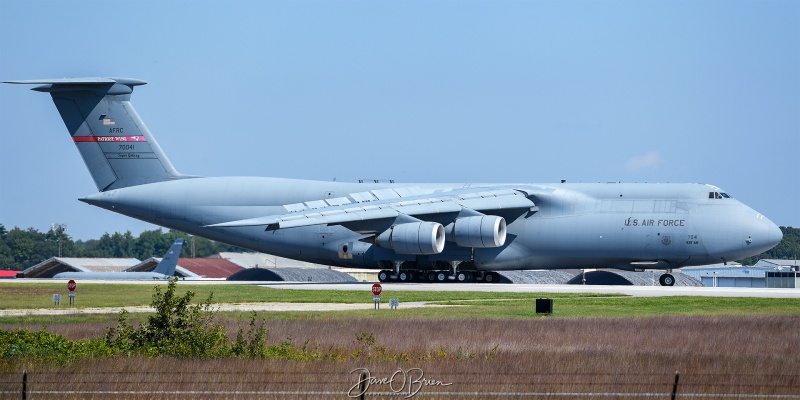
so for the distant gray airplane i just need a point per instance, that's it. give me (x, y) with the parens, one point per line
(428, 232)
(164, 270)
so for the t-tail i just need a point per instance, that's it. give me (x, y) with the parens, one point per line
(170, 260)
(116, 146)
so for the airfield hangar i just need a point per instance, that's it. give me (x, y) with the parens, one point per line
(265, 267)
(232, 266)
(767, 273)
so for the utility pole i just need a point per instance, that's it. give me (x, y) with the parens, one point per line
(59, 230)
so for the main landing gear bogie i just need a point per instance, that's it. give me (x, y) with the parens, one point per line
(405, 276)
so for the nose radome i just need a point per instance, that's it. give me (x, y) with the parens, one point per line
(759, 233)
(774, 234)
(762, 234)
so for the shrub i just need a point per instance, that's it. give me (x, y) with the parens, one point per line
(177, 329)
(255, 344)
(42, 346)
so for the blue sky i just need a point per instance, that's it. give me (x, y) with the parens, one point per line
(416, 91)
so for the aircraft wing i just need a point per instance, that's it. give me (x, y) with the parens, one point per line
(470, 201)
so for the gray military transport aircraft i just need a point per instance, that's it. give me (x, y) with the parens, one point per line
(164, 270)
(412, 232)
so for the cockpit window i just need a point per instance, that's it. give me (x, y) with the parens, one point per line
(718, 195)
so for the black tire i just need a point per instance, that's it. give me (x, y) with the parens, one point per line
(383, 276)
(431, 277)
(462, 277)
(441, 277)
(666, 280)
(404, 276)
(489, 277)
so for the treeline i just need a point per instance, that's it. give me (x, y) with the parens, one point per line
(23, 248)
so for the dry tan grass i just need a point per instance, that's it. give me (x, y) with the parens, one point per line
(715, 355)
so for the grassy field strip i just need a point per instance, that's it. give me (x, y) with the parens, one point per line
(40, 295)
(542, 295)
(349, 303)
(609, 290)
(240, 307)
(493, 345)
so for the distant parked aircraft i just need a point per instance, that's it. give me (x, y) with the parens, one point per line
(432, 232)
(164, 270)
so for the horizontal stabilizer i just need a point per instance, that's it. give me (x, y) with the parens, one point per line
(80, 81)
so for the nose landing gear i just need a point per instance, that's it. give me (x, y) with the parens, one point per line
(666, 279)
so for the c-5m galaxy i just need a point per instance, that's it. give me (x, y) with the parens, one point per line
(412, 232)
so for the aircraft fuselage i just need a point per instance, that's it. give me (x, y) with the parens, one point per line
(577, 225)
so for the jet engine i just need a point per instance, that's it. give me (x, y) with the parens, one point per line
(479, 231)
(413, 238)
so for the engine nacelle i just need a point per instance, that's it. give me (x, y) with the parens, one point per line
(480, 231)
(413, 238)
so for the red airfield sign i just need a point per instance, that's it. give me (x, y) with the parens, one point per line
(71, 285)
(377, 289)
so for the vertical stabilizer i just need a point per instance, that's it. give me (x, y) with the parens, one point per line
(170, 260)
(116, 146)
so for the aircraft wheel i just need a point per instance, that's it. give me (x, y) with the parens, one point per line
(431, 277)
(383, 276)
(666, 280)
(463, 277)
(441, 277)
(490, 277)
(404, 276)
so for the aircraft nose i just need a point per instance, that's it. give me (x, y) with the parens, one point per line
(762, 234)
(774, 234)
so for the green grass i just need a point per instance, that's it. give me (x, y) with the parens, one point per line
(464, 305)
(570, 307)
(638, 306)
(40, 295)
(44, 320)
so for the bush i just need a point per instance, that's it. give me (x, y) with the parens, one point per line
(177, 329)
(42, 346)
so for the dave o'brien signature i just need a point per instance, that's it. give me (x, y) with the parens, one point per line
(409, 381)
